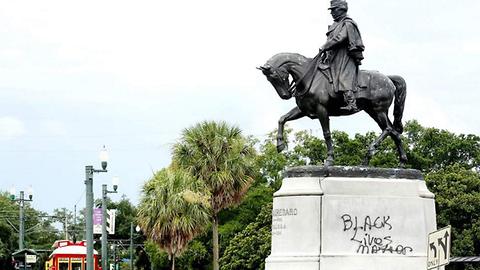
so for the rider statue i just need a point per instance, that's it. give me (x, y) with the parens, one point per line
(343, 52)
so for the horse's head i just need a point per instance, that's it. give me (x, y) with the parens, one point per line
(279, 67)
(277, 75)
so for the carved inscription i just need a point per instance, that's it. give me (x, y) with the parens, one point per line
(278, 214)
(284, 212)
(371, 234)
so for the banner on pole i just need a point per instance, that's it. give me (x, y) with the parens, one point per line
(97, 221)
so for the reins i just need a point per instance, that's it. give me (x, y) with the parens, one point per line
(310, 69)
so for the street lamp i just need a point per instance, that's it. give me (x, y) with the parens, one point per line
(89, 171)
(21, 201)
(137, 228)
(114, 248)
(105, 192)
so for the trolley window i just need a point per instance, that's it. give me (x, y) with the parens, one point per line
(63, 266)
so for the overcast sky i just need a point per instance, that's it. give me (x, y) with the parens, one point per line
(76, 75)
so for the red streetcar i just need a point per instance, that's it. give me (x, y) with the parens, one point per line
(70, 256)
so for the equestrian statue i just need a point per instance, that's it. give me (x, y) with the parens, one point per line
(331, 84)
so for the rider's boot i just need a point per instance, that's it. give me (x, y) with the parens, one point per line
(350, 100)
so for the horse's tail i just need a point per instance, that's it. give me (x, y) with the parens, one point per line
(400, 95)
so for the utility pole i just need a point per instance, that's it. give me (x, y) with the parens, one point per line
(131, 245)
(105, 192)
(21, 234)
(114, 256)
(89, 213)
(89, 171)
(21, 201)
(75, 223)
(66, 226)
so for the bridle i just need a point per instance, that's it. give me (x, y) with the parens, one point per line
(292, 88)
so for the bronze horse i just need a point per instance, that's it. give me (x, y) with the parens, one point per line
(316, 99)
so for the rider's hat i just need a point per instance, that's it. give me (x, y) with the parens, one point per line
(338, 4)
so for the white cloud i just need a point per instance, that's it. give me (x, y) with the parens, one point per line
(54, 128)
(471, 47)
(11, 128)
(429, 112)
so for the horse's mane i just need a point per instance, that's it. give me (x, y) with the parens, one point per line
(282, 58)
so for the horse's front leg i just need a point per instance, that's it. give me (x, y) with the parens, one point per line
(293, 114)
(325, 122)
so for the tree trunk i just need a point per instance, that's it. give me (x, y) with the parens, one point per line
(173, 262)
(215, 243)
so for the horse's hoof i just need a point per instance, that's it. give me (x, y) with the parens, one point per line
(328, 162)
(280, 147)
(403, 161)
(365, 162)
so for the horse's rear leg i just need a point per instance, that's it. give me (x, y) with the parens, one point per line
(384, 123)
(398, 142)
(293, 114)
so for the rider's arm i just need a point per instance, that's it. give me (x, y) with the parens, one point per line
(336, 39)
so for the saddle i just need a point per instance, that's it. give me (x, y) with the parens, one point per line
(362, 84)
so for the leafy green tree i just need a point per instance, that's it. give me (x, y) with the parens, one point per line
(457, 191)
(39, 232)
(158, 258)
(66, 218)
(126, 214)
(237, 218)
(170, 214)
(219, 156)
(450, 161)
(309, 148)
(8, 237)
(249, 248)
(193, 257)
(432, 149)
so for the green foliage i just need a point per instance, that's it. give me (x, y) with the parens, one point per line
(166, 216)
(311, 149)
(249, 248)
(432, 149)
(39, 232)
(8, 238)
(126, 214)
(194, 258)
(271, 164)
(219, 156)
(457, 199)
(158, 258)
(449, 161)
(75, 228)
(236, 219)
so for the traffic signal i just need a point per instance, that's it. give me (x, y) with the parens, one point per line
(111, 214)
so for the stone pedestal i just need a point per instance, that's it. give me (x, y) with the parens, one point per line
(351, 218)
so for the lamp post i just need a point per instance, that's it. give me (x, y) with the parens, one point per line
(105, 192)
(114, 248)
(131, 243)
(89, 171)
(21, 201)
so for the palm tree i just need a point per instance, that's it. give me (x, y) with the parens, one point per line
(167, 216)
(219, 156)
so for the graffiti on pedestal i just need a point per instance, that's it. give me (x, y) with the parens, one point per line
(372, 235)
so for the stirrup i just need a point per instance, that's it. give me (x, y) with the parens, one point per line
(350, 107)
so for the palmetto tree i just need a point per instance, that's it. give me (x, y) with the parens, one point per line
(219, 156)
(167, 214)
